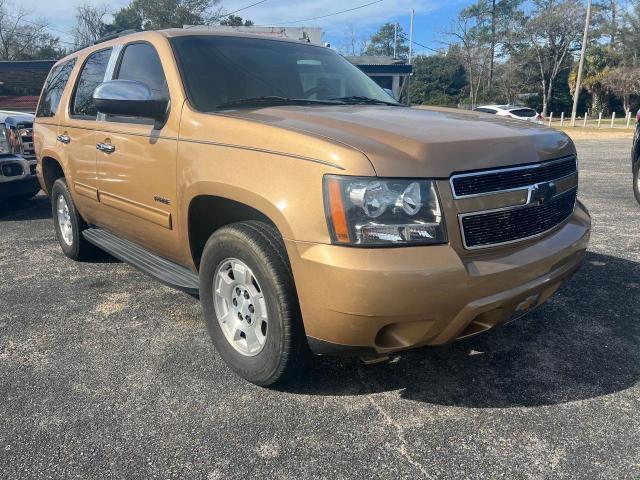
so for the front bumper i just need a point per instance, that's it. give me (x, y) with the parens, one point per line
(357, 301)
(17, 176)
(22, 186)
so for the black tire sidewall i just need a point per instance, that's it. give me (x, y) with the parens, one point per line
(261, 368)
(60, 188)
(636, 173)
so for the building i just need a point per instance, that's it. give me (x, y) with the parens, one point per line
(388, 72)
(21, 83)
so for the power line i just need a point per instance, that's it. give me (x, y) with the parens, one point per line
(327, 15)
(404, 37)
(243, 8)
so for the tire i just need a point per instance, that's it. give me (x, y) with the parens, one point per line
(259, 247)
(636, 182)
(72, 242)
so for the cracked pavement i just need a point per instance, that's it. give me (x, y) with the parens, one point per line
(105, 373)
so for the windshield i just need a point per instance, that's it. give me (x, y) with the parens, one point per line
(222, 70)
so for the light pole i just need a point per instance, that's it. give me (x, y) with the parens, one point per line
(585, 37)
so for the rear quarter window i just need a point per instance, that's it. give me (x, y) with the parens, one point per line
(485, 110)
(54, 88)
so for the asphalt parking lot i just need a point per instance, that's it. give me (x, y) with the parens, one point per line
(105, 373)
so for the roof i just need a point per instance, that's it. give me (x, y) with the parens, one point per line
(13, 65)
(17, 116)
(370, 64)
(375, 60)
(27, 102)
(505, 107)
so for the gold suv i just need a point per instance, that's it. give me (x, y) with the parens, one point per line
(309, 210)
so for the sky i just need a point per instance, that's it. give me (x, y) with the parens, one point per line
(432, 17)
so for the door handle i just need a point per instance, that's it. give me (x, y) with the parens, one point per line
(106, 147)
(64, 138)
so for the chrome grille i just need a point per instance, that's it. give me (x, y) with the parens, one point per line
(506, 225)
(493, 181)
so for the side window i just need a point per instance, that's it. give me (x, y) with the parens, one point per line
(91, 76)
(53, 89)
(141, 62)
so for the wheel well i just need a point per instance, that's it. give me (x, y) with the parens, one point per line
(209, 213)
(51, 171)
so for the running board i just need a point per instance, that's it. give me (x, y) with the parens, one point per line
(161, 269)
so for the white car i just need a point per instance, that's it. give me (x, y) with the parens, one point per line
(512, 111)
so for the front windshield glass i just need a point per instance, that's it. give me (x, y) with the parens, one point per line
(219, 70)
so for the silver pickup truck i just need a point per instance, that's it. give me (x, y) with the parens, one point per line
(17, 156)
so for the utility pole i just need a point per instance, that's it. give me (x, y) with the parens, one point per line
(493, 46)
(395, 40)
(413, 12)
(585, 37)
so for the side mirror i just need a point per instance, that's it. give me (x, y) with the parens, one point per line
(130, 98)
(390, 93)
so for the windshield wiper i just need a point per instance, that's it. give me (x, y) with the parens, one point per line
(275, 100)
(359, 100)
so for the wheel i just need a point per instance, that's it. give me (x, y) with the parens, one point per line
(250, 304)
(636, 182)
(69, 224)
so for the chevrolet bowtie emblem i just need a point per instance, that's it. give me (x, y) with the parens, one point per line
(542, 192)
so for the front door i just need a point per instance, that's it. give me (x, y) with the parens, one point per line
(136, 163)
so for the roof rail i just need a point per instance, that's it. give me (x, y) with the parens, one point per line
(111, 36)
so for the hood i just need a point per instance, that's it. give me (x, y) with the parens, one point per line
(420, 142)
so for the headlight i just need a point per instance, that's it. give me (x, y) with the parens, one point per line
(4, 144)
(378, 211)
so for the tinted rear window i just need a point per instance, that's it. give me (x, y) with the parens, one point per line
(523, 112)
(53, 89)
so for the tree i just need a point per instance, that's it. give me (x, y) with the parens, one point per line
(598, 62)
(236, 21)
(437, 79)
(159, 14)
(471, 34)
(554, 28)
(623, 81)
(356, 45)
(90, 25)
(21, 39)
(382, 42)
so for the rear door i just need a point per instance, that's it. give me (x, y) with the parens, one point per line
(77, 134)
(47, 118)
(137, 178)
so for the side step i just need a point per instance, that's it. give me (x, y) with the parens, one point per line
(164, 270)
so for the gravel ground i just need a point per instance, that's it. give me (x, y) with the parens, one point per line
(105, 373)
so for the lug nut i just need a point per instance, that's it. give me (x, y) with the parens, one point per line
(246, 295)
(251, 309)
(238, 291)
(235, 302)
(239, 315)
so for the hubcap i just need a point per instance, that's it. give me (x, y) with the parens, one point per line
(64, 220)
(240, 307)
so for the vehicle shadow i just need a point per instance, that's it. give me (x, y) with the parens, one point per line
(583, 343)
(36, 208)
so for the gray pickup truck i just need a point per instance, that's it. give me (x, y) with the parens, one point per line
(18, 179)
